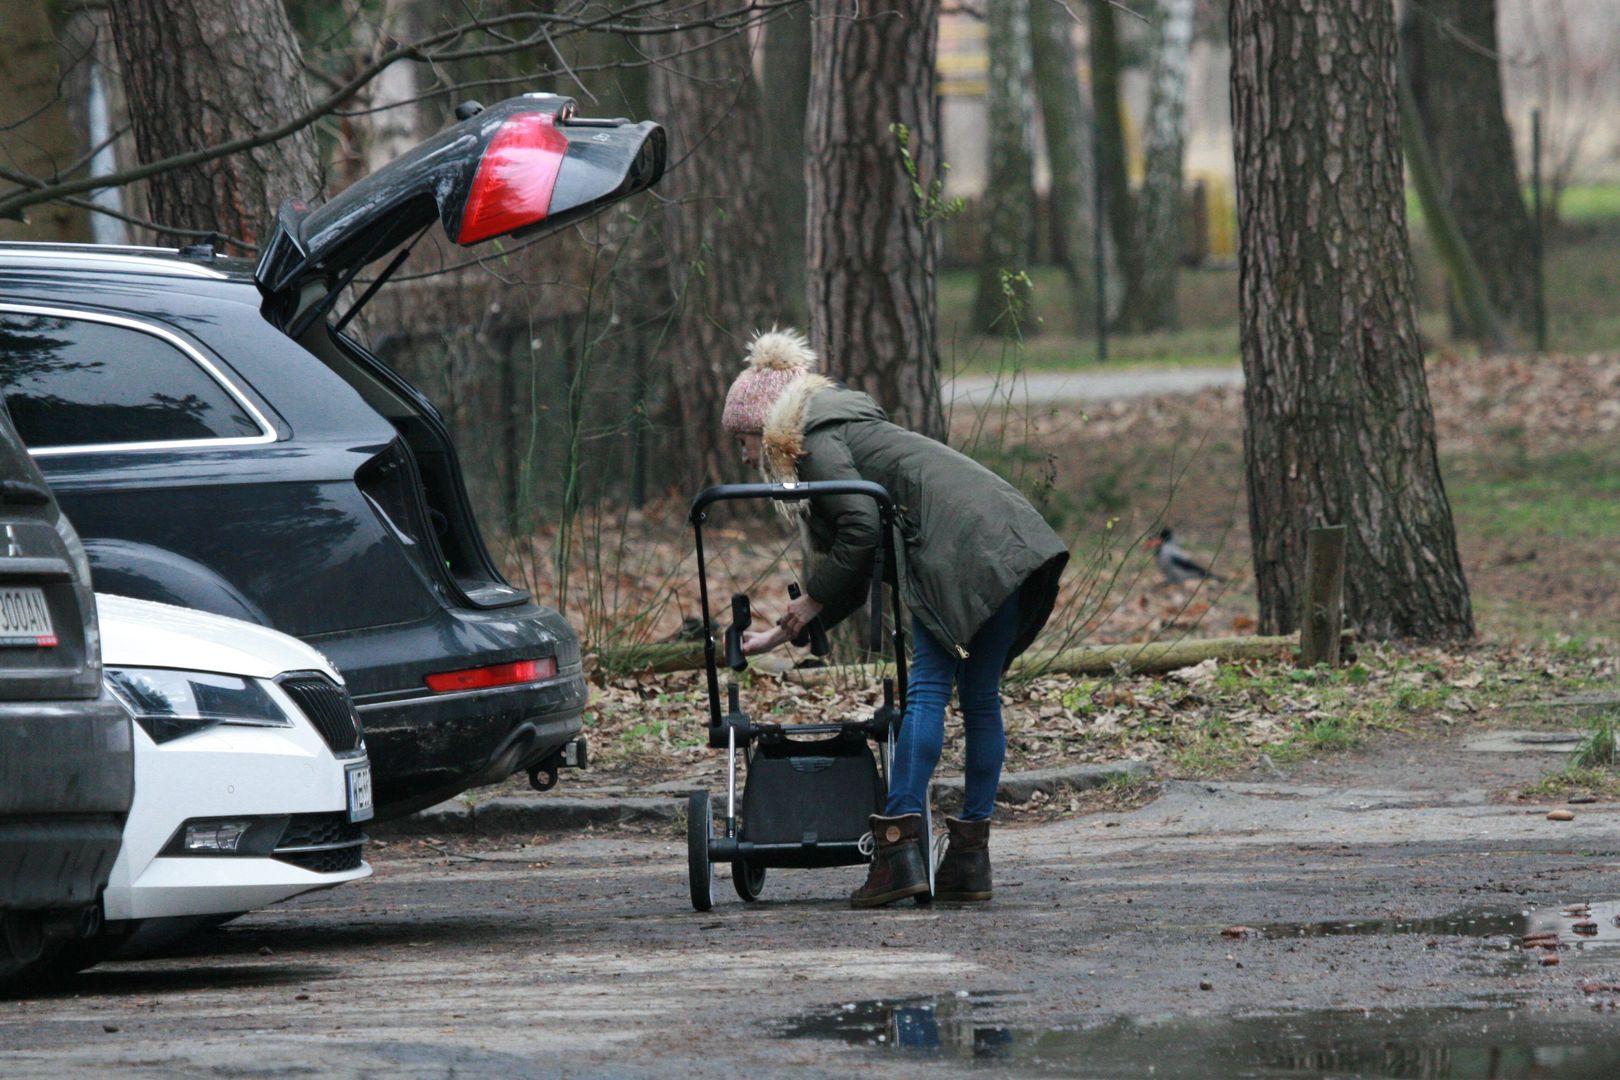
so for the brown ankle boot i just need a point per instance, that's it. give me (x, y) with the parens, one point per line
(964, 872)
(897, 869)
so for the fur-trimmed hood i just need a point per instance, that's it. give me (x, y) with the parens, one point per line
(782, 442)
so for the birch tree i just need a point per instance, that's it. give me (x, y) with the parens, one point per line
(1066, 125)
(1161, 218)
(1003, 293)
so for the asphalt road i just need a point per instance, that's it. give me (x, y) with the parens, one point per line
(1388, 889)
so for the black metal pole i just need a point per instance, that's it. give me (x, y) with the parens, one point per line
(1539, 272)
(1099, 244)
(711, 673)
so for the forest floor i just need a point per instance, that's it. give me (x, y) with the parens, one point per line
(1532, 466)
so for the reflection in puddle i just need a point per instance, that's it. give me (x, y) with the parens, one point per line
(953, 1025)
(1414, 1044)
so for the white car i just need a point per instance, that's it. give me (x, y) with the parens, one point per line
(251, 775)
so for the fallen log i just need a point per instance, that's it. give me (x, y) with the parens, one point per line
(1153, 657)
(1142, 658)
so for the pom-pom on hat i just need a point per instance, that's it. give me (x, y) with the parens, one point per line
(775, 358)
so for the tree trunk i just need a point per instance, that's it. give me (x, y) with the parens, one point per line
(1339, 429)
(874, 244)
(199, 73)
(1066, 122)
(1001, 301)
(787, 85)
(1162, 241)
(1467, 282)
(720, 238)
(36, 138)
(1118, 201)
(1449, 54)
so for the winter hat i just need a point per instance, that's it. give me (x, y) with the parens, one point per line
(775, 358)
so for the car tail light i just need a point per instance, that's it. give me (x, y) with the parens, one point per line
(481, 678)
(515, 177)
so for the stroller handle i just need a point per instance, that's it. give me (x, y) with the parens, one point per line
(796, 492)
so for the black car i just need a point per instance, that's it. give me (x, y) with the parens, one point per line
(221, 443)
(66, 758)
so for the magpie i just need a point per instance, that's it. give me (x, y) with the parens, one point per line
(1175, 564)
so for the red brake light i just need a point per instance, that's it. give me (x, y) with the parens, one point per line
(481, 678)
(514, 181)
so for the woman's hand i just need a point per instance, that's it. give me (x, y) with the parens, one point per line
(764, 641)
(800, 614)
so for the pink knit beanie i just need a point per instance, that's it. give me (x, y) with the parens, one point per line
(775, 358)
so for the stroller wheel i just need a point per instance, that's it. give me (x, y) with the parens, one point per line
(748, 879)
(699, 831)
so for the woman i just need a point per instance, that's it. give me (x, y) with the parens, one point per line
(979, 575)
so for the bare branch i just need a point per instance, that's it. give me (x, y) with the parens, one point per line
(432, 49)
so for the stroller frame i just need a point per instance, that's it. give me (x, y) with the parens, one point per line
(735, 731)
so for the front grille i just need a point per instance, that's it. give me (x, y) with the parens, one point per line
(328, 707)
(325, 862)
(323, 843)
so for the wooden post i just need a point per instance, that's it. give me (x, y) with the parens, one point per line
(1324, 597)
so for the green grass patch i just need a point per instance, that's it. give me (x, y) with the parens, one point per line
(1582, 276)
(1515, 496)
(1057, 342)
(1586, 202)
(1603, 783)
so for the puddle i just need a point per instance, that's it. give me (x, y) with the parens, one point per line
(1414, 1044)
(1605, 934)
(1582, 936)
(1471, 922)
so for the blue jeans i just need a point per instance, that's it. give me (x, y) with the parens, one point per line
(934, 669)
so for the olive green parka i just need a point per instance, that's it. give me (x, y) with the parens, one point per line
(971, 540)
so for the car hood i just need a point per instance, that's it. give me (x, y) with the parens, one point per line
(516, 167)
(140, 633)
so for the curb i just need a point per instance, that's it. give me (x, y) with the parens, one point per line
(1021, 787)
(559, 813)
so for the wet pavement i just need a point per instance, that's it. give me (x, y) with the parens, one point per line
(1380, 915)
(1419, 1044)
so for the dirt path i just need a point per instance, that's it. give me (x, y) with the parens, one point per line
(1102, 953)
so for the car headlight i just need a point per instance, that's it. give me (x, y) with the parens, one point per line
(169, 704)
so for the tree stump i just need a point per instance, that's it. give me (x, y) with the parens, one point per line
(1324, 597)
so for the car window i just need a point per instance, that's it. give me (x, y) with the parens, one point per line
(81, 382)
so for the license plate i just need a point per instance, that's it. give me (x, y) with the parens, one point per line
(25, 619)
(360, 792)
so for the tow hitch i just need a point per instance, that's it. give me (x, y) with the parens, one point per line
(570, 755)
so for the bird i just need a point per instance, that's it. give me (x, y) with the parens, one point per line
(1175, 564)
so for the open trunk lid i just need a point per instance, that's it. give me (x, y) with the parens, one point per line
(518, 167)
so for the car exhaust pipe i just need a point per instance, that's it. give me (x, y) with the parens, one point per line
(72, 925)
